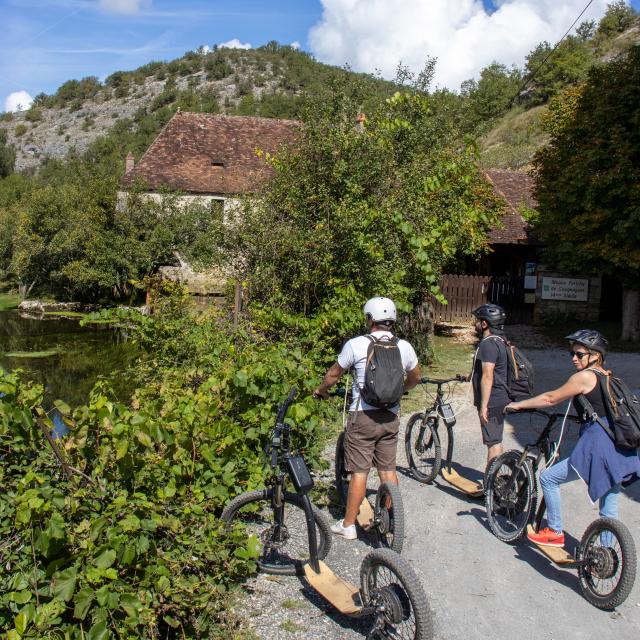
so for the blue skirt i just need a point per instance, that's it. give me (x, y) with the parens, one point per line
(600, 463)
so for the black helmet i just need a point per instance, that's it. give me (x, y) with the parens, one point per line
(492, 313)
(591, 339)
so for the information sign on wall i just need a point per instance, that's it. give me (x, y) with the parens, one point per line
(574, 289)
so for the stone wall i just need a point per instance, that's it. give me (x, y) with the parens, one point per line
(549, 311)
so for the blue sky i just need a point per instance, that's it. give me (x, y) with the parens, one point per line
(46, 42)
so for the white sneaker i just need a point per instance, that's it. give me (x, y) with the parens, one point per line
(346, 532)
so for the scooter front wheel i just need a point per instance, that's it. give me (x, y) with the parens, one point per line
(390, 587)
(510, 499)
(284, 547)
(389, 517)
(422, 447)
(607, 576)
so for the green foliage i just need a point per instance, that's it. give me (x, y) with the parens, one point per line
(569, 64)
(128, 545)
(588, 175)
(33, 115)
(618, 18)
(74, 90)
(354, 213)
(7, 155)
(20, 130)
(493, 93)
(71, 239)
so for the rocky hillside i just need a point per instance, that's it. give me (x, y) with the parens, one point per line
(268, 81)
(265, 81)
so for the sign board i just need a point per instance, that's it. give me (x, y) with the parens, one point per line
(529, 297)
(530, 282)
(573, 289)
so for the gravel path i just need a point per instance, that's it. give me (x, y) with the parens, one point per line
(477, 586)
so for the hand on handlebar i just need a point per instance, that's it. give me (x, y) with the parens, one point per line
(511, 408)
(319, 395)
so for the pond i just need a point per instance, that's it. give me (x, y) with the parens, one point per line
(64, 357)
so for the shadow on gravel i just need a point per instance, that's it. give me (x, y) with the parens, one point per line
(360, 625)
(546, 568)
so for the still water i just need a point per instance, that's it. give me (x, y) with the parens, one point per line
(63, 356)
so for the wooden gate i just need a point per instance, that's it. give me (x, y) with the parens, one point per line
(465, 293)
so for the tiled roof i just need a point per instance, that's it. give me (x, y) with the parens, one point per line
(517, 191)
(205, 153)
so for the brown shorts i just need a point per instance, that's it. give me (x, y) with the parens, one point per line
(371, 440)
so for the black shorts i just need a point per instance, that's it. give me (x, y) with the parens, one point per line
(493, 430)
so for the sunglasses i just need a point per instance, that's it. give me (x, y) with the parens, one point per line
(578, 354)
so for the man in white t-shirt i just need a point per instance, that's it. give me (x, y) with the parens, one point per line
(372, 433)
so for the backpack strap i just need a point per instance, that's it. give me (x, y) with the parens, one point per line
(602, 376)
(505, 383)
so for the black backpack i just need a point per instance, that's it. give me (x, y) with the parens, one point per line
(520, 374)
(623, 411)
(383, 374)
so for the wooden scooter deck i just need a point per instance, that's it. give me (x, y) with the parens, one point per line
(365, 515)
(471, 488)
(558, 555)
(340, 593)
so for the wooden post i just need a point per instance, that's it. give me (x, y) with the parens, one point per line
(237, 303)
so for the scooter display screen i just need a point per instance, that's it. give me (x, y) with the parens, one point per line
(447, 414)
(299, 473)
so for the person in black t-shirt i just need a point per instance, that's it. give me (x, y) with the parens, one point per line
(489, 376)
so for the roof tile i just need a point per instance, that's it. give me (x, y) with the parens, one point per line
(185, 153)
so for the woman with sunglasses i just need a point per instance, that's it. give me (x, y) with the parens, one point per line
(595, 458)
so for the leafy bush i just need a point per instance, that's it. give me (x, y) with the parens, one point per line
(20, 130)
(116, 533)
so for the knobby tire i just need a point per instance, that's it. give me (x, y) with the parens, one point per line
(509, 513)
(385, 576)
(607, 583)
(424, 464)
(287, 555)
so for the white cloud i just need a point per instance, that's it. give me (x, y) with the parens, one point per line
(295, 45)
(235, 44)
(127, 7)
(461, 34)
(18, 101)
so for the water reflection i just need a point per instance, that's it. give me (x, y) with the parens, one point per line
(65, 357)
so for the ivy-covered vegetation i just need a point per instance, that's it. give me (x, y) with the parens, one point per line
(112, 531)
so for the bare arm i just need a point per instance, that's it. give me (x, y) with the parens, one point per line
(486, 382)
(579, 382)
(413, 377)
(330, 378)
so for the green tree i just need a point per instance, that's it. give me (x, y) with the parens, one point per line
(588, 180)
(618, 18)
(550, 73)
(7, 155)
(73, 240)
(354, 211)
(493, 93)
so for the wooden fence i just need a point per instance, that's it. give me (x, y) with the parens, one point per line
(465, 293)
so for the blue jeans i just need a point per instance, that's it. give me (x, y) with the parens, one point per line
(550, 481)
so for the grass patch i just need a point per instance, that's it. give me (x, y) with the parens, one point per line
(9, 301)
(450, 357)
(289, 625)
(294, 604)
(514, 139)
(33, 354)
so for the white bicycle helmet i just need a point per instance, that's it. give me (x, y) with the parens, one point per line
(380, 310)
